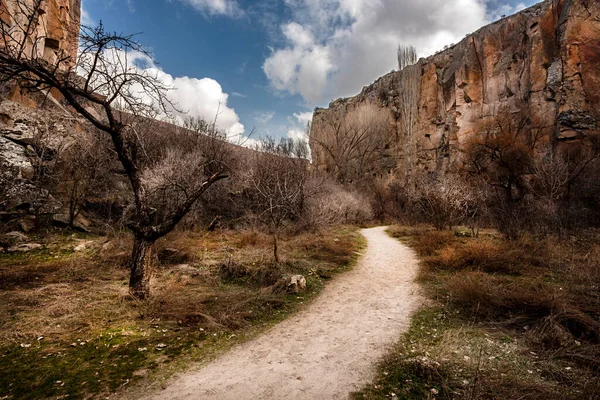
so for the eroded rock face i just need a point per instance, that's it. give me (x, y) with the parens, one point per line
(57, 31)
(543, 62)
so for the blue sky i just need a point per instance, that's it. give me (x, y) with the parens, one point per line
(268, 63)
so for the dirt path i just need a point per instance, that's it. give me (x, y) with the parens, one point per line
(327, 350)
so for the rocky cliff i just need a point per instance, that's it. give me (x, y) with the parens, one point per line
(56, 33)
(543, 62)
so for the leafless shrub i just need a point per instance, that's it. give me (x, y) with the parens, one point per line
(287, 147)
(332, 204)
(83, 172)
(444, 200)
(276, 190)
(351, 142)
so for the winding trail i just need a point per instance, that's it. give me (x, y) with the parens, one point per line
(327, 350)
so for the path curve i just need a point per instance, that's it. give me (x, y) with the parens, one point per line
(327, 350)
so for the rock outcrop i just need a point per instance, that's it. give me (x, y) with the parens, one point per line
(543, 62)
(57, 31)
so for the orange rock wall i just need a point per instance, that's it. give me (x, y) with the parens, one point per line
(56, 33)
(543, 61)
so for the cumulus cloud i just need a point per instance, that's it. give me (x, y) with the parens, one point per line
(190, 97)
(334, 47)
(304, 118)
(297, 126)
(203, 98)
(216, 7)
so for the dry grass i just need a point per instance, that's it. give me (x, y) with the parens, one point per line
(67, 316)
(514, 319)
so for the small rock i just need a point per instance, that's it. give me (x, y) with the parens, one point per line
(80, 247)
(25, 247)
(27, 224)
(290, 284)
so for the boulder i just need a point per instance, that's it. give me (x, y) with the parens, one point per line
(27, 224)
(81, 223)
(15, 158)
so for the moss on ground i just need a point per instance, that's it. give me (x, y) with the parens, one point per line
(71, 331)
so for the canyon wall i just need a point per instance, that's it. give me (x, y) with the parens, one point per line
(55, 34)
(542, 63)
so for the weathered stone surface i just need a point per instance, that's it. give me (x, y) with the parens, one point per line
(543, 62)
(80, 223)
(15, 158)
(55, 36)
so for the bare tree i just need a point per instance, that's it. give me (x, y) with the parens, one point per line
(407, 55)
(353, 142)
(84, 169)
(503, 156)
(407, 101)
(277, 190)
(117, 99)
(287, 147)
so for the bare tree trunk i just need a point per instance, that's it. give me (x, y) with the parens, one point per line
(141, 268)
(275, 252)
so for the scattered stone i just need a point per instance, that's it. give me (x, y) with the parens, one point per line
(83, 246)
(290, 284)
(25, 247)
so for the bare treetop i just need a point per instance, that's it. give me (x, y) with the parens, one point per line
(407, 55)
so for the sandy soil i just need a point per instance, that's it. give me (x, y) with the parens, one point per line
(327, 350)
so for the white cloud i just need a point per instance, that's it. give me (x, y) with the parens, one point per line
(203, 98)
(216, 7)
(191, 97)
(334, 47)
(297, 134)
(264, 117)
(304, 118)
(85, 18)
